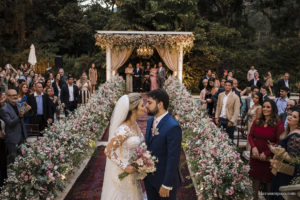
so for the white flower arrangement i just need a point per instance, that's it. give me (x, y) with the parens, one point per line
(154, 131)
(44, 166)
(217, 167)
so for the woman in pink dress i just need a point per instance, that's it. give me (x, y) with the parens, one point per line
(264, 130)
(153, 78)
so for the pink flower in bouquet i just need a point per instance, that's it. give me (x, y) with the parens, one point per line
(230, 192)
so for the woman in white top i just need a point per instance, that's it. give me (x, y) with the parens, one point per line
(85, 87)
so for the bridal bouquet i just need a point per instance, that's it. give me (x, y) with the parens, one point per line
(143, 161)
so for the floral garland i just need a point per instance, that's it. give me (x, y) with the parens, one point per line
(217, 168)
(44, 166)
(136, 40)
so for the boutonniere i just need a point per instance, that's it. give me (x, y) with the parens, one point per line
(155, 131)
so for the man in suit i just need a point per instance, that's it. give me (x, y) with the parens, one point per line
(264, 92)
(288, 111)
(163, 139)
(137, 78)
(228, 109)
(283, 83)
(249, 100)
(69, 96)
(207, 76)
(15, 132)
(256, 81)
(161, 75)
(41, 109)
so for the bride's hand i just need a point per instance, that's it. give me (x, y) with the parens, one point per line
(130, 169)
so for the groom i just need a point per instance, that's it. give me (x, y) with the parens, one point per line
(163, 139)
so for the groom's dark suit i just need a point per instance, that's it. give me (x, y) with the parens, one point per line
(166, 146)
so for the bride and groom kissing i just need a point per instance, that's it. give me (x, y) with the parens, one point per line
(163, 139)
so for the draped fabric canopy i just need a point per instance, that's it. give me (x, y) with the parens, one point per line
(119, 45)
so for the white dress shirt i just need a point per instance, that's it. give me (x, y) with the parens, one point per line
(286, 83)
(71, 93)
(223, 111)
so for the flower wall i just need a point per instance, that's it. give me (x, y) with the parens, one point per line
(44, 166)
(216, 166)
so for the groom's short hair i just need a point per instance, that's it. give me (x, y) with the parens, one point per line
(160, 95)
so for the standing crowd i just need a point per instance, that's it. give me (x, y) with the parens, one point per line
(272, 125)
(31, 101)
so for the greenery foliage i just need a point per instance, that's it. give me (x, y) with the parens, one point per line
(229, 33)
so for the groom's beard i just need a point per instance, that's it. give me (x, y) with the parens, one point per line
(154, 112)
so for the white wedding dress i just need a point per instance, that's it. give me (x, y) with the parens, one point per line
(125, 141)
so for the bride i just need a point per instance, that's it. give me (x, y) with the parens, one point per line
(124, 137)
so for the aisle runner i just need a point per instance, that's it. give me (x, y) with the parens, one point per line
(89, 184)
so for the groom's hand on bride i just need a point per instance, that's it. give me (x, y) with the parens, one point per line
(163, 192)
(130, 169)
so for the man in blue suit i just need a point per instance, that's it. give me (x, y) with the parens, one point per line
(163, 139)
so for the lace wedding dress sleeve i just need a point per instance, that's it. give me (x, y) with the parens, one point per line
(113, 147)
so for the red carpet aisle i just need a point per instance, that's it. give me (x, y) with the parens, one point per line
(89, 184)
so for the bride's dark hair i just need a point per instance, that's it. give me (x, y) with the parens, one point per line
(134, 100)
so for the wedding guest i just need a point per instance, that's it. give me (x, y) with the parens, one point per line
(62, 75)
(269, 82)
(93, 75)
(253, 113)
(210, 91)
(249, 100)
(228, 108)
(40, 106)
(146, 84)
(15, 132)
(51, 77)
(153, 78)
(264, 129)
(23, 98)
(250, 74)
(57, 85)
(256, 81)
(3, 87)
(129, 73)
(3, 155)
(69, 96)
(236, 90)
(137, 78)
(161, 75)
(203, 94)
(264, 92)
(283, 116)
(85, 87)
(53, 102)
(229, 75)
(283, 83)
(217, 82)
(290, 144)
(47, 85)
(282, 100)
(206, 76)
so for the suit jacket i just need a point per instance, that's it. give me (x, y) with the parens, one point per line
(135, 72)
(232, 107)
(281, 84)
(15, 130)
(166, 146)
(259, 83)
(64, 94)
(161, 74)
(47, 110)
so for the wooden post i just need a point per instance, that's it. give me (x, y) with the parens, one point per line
(108, 63)
(180, 63)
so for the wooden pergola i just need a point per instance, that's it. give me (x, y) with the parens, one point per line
(119, 45)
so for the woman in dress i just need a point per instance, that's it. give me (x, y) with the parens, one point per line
(290, 141)
(203, 93)
(124, 137)
(84, 86)
(269, 82)
(22, 98)
(129, 73)
(211, 90)
(47, 85)
(265, 129)
(253, 113)
(217, 82)
(57, 85)
(93, 75)
(153, 78)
